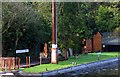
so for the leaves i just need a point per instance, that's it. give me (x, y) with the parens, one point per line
(29, 23)
(82, 20)
(23, 27)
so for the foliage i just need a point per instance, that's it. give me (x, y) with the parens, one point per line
(82, 20)
(28, 24)
(107, 17)
(23, 27)
(116, 32)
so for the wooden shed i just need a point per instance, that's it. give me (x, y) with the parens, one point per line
(97, 42)
(94, 44)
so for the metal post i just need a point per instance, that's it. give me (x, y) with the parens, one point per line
(54, 34)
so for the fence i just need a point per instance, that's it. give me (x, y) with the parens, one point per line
(9, 63)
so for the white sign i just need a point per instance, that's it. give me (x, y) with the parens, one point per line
(54, 45)
(22, 51)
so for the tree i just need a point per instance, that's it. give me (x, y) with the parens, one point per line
(83, 20)
(27, 24)
(70, 25)
(23, 27)
(107, 17)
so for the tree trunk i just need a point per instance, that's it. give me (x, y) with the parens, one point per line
(16, 42)
(0, 48)
(0, 42)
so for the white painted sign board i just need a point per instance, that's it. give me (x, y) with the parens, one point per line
(54, 45)
(22, 51)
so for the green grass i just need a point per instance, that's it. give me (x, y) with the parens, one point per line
(82, 59)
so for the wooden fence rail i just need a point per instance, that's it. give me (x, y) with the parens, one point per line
(9, 63)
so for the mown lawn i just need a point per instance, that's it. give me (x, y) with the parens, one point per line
(82, 59)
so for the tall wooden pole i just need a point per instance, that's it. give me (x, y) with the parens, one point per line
(54, 58)
(1, 30)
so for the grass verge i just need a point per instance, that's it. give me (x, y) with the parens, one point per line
(82, 59)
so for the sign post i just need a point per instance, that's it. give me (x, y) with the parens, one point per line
(27, 57)
(98, 53)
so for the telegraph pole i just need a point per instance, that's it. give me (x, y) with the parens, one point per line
(1, 30)
(54, 56)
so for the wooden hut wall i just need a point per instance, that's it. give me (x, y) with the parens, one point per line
(88, 45)
(97, 42)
